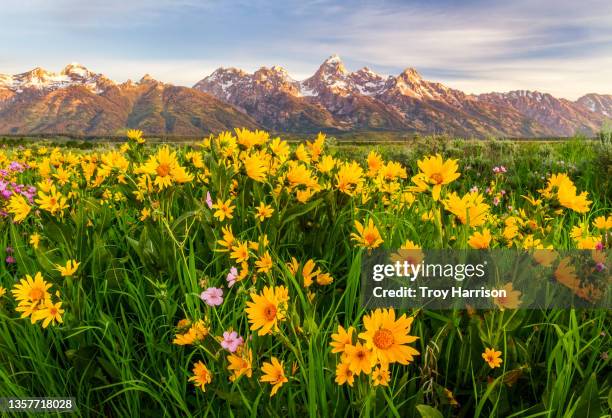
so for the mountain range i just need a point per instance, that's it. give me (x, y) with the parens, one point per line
(79, 101)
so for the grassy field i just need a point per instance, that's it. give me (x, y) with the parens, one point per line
(222, 278)
(355, 137)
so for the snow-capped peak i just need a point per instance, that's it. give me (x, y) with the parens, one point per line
(331, 76)
(333, 59)
(411, 74)
(278, 69)
(333, 65)
(147, 78)
(75, 68)
(366, 70)
(40, 79)
(367, 82)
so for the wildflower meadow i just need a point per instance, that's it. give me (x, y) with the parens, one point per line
(222, 278)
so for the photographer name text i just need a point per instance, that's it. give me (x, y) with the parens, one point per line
(429, 293)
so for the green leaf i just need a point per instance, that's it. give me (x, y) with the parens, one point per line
(24, 261)
(298, 211)
(427, 411)
(588, 403)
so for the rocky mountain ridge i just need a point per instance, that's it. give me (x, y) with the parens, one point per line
(79, 101)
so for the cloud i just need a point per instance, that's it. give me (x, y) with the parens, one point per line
(105, 12)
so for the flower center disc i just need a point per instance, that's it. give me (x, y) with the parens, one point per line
(369, 238)
(270, 312)
(383, 338)
(437, 177)
(163, 170)
(36, 294)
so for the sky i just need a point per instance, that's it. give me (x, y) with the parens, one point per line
(562, 47)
